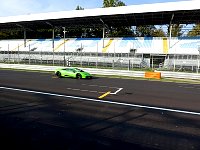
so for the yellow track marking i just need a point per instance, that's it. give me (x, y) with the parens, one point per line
(104, 95)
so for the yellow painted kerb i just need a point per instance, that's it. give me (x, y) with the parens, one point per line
(104, 95)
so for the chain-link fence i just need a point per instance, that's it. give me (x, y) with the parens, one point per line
(183, 63)
(79, 59)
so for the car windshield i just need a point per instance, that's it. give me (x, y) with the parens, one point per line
(78, 70)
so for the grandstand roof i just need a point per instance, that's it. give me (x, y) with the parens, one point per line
(185, 12)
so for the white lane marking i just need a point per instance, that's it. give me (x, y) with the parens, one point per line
(189, 87)
(84, 90)
(76, 89)
(117, 91)
(102, 86)
(104, 101)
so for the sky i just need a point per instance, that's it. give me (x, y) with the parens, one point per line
(24, 7)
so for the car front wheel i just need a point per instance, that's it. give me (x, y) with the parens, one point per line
(78, 76)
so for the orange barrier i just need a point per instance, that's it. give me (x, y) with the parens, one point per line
(155, 75)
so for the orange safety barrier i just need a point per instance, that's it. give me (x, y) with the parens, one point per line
(155, 75)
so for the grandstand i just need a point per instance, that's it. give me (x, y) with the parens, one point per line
(134, 51)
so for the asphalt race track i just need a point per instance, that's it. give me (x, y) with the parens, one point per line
(41, 111)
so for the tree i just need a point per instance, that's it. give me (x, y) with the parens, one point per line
(3, 35)
(158, 33)
(149, 31)
(145, 30)
(120, 3)
(176, 30)
(113, 3)
(123, 31)
(117, 31)
(79, 8)
(195, 30)
(11, 34)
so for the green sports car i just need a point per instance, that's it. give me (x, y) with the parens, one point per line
(73, 73)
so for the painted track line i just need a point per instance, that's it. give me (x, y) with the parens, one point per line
(84, 90)
(104, 95)
(117, 91)
(103, 101)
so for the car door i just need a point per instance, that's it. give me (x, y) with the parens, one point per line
(71, 73)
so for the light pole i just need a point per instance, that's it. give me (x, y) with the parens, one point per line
(64, 31)
(198, 58)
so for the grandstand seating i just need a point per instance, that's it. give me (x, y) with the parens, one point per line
(144, 45)
(108, 50)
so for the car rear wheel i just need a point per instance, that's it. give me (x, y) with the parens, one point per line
(78, 76)
(58, 74)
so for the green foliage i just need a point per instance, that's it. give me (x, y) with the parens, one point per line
(11, 34)
(158, 33)
(117, 31)
(144, 30)
(79, 8)
(121, 32)
(3, 35)
(176, 30)
(112, 3)
(195, 31)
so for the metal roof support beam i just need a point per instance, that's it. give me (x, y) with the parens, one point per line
(49, 23)
(53, 37)
(24, 37)
(103, 34)
(170, 33)
(64, 32)
(24, 33)
(103, 30)
(170, 30)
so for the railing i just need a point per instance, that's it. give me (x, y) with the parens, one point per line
(112, 72)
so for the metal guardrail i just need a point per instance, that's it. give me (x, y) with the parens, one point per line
(164, 74)
(180, 75)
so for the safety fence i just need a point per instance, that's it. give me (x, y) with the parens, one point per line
(79, 59)
(112, 72)
(120, 61)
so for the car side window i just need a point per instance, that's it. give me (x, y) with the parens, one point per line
(70, 70)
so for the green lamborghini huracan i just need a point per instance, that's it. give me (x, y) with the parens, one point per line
(72, 73)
